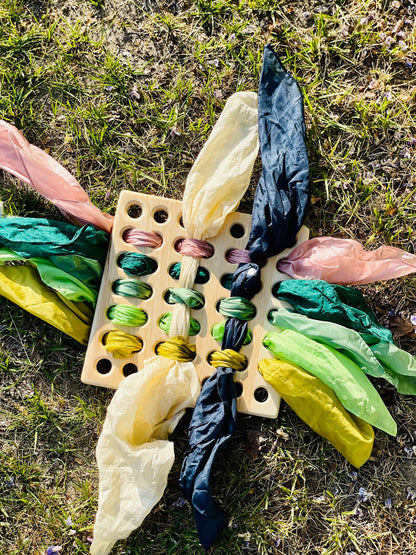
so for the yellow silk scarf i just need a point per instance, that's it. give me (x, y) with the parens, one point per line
(23, 286)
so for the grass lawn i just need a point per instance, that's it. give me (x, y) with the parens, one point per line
(124, 94)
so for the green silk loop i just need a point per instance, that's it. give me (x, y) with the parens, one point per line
(176, 348)
(137, 264)
(229, 359)
(122, 344)
(237, 307)
(202, 275)
(217, 332)
(166, 319)
(188, 297)
(131, 287)
(227, 281)
(126, 315)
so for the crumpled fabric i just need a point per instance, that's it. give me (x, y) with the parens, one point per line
(279, 209)
(66, 285)
(378, 358)
(282, 195)
(317, 405)
(133, 473)
(133, 452)
(337, 371)
(69, 259)
(345, 340)
(332, 303)
(205, 205)
(44, 238)
(23, 286)
(345, 261)
(39, 170)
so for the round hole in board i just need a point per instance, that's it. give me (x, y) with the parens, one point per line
(209, 356)
(226, 281)
(202, 276)
(238, 389)
(275, 289)
(237, 231)
(129, 369)
(134, 211)
(181, 222)
(177, 244)
(261, 395)
(166, 297)
(174, 270)
(104, 366)
(270, 315)
(104, 338)
(161, 216)
(217, 305)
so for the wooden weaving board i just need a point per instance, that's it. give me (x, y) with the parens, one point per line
(256, 397)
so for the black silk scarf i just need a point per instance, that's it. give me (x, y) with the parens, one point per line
(280, 205)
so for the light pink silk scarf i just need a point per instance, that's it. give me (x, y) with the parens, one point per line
(36, 168)
(344, 261)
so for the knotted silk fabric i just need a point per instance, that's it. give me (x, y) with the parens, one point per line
(378, 358)
(317, 405)
(39, 170)
(279, 209)
(134, 454)
(345, 261)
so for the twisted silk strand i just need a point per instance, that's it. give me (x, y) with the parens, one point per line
(218, 329)
(237, 307)
(122, 344)
(131, 287)
(195, 248)
(189, 297)
(141, 238)
(126, 315)
(166, 319)
(137, 264)
(176, 348)
(228, 357)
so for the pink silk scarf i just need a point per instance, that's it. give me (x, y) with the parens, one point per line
(36, 168)
(344, 261)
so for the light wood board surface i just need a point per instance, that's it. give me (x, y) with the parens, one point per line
(256, 397)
